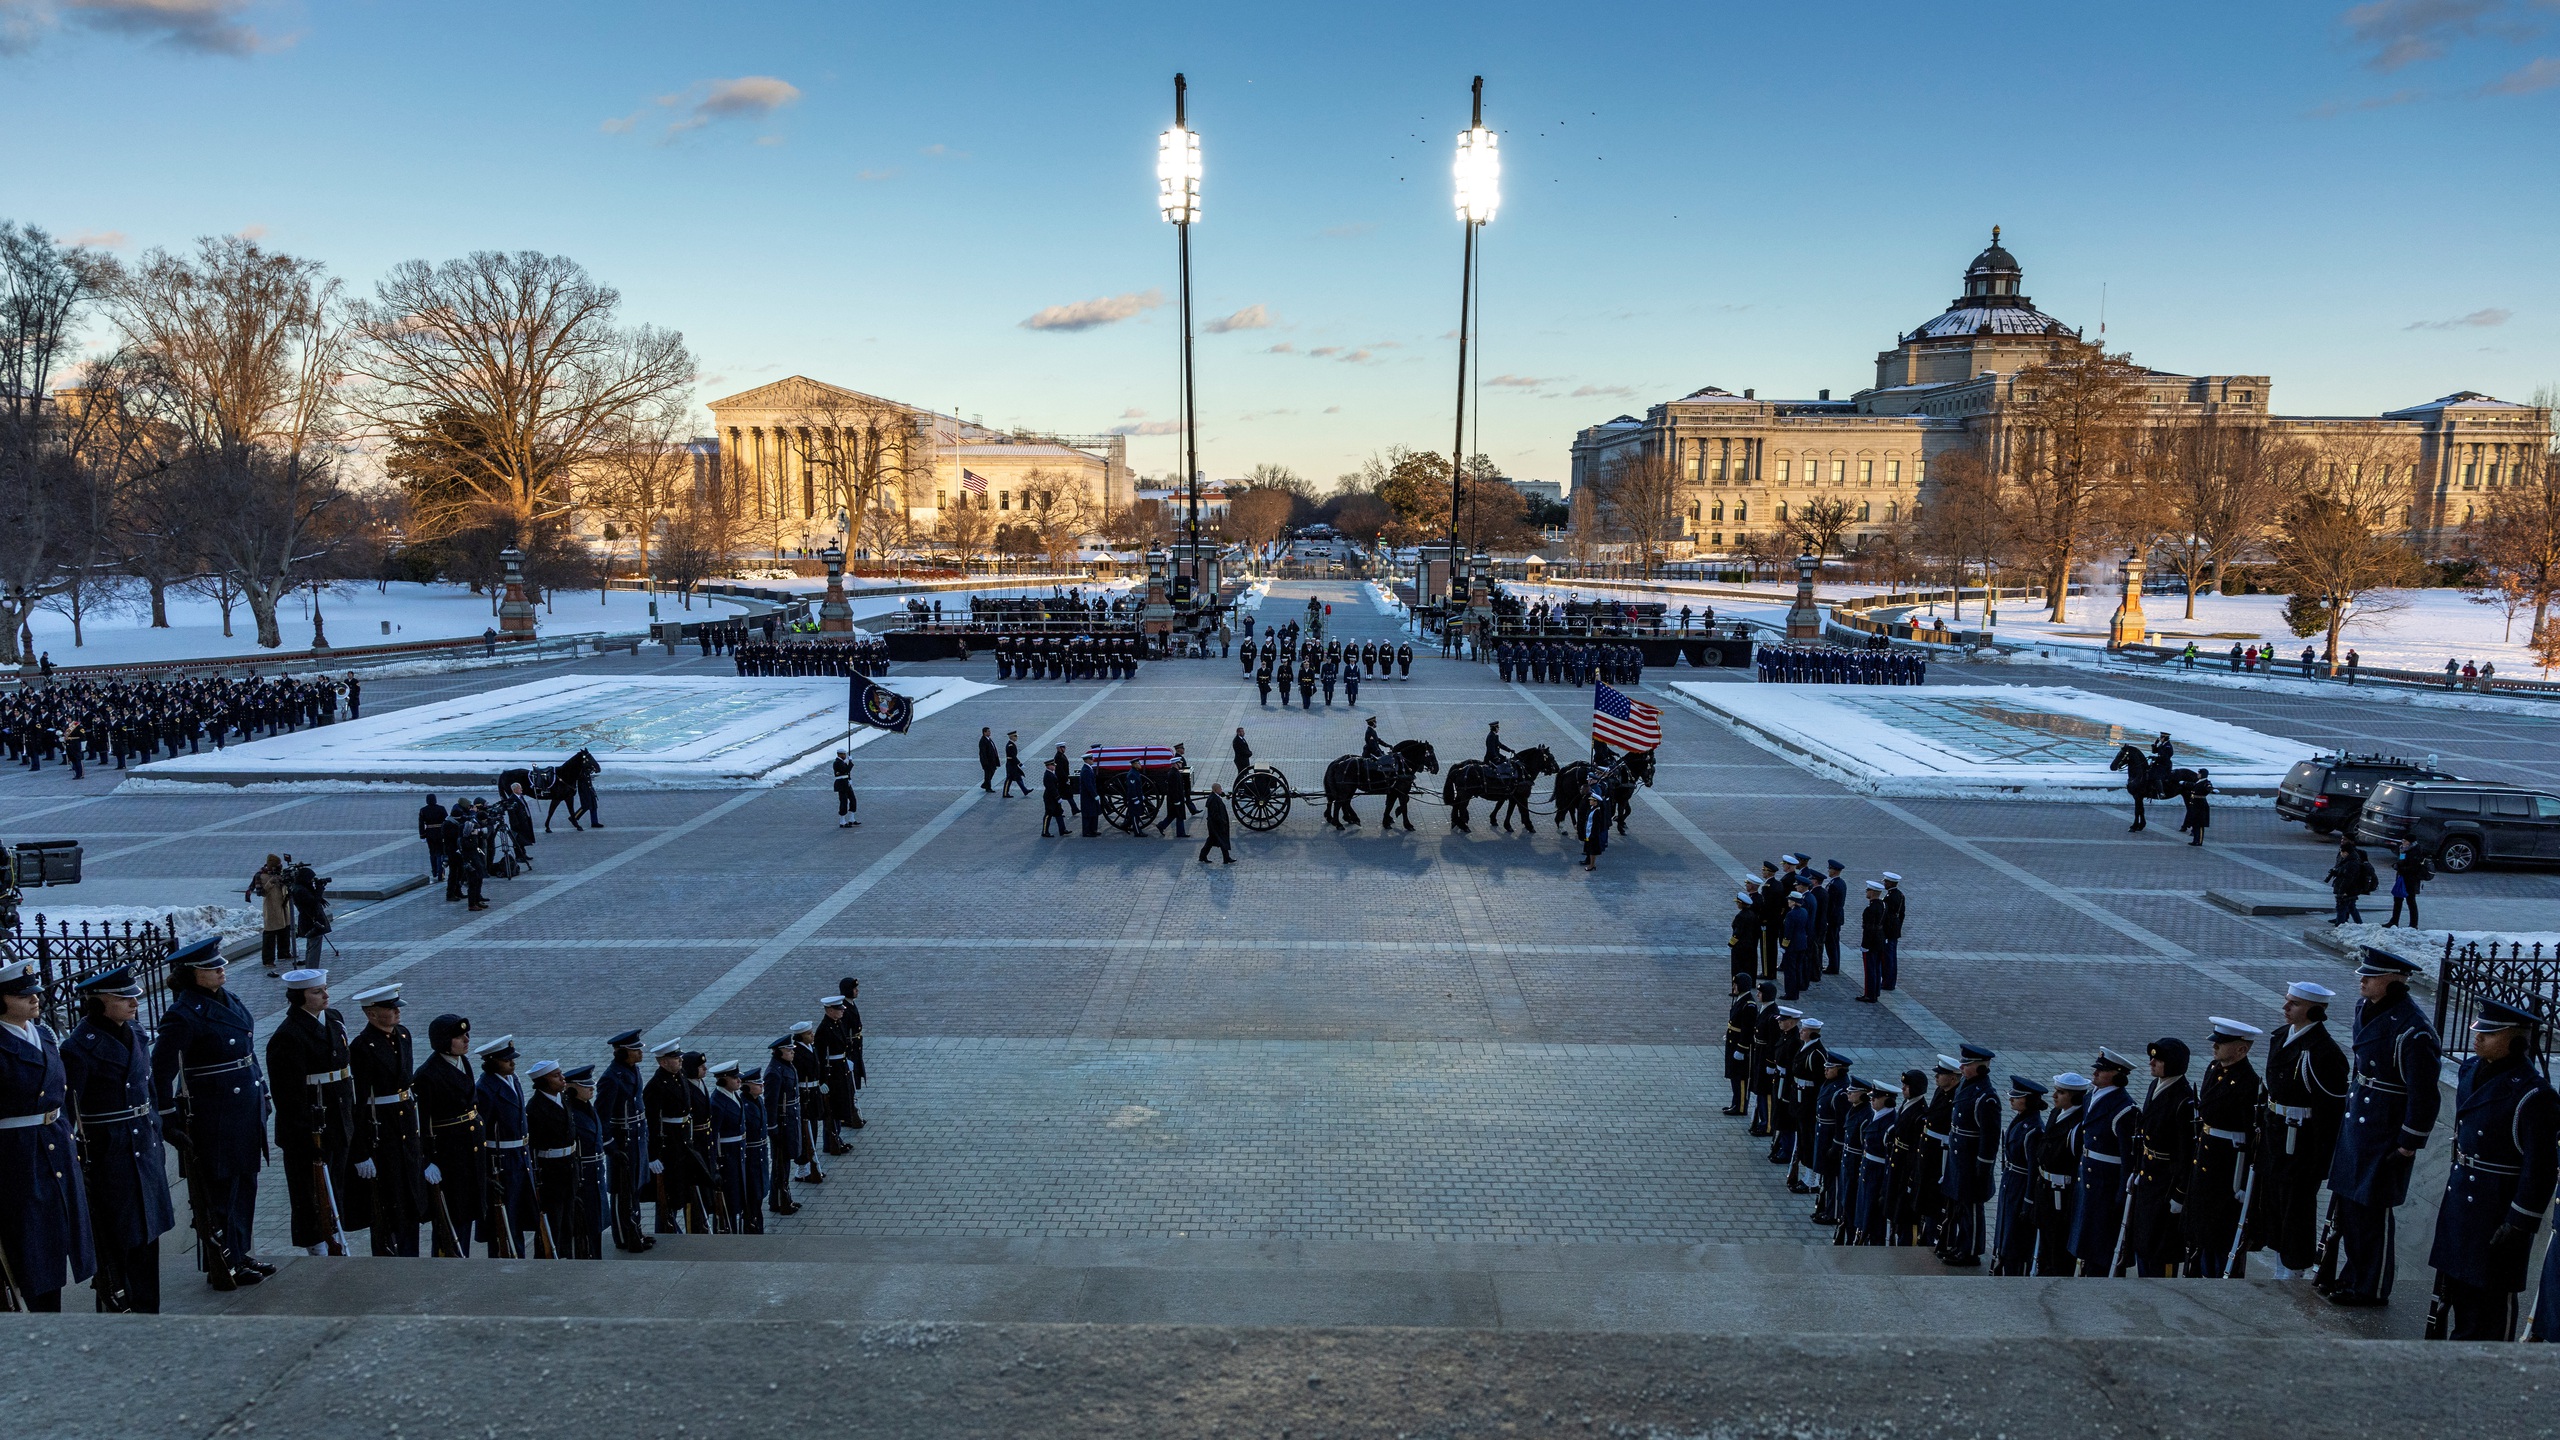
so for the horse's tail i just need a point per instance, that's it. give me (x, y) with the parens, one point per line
(1449, 785)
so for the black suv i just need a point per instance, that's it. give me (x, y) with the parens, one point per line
(2464, 823)
(2328, 792)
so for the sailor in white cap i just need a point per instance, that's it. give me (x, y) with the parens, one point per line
(805, 1066)
(2228, 1102)
(729, 1133)
(2057, 1187)
(668, 1103)
(834, 1044)
(213, 1106)
(1894, 903)
(2306, 1079)
(387, 1150)
(1781, 1065)
(1805, 1074)
(552, 1139)
(1871, 944)
(315, 1116)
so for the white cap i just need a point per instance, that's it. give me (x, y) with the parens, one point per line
(2317, 994)
(305, 979)
(725, 1067)
(1809, 1023)
(493, 1047)
(667, 1047)
(1950, 1064)
(379, 995)
(1889, 875)
(541, 1068)
(1875, 885)
(2071, 1080)
(2226, 1028)
(830, 1002)
(1789, 1012)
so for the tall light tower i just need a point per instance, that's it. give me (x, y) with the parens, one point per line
(1178, 200)
(1478, 171)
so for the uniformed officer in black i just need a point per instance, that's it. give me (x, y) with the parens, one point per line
(1741, 1019)
(2228, 1101)
(315, 1115)
(626, 1141)
(2391, 1110)
(671, 1166)
(588, 1204)
(106, 1066)
(551, 1145)
(835, 1073)
(780, 1102)
(384, 1150)
(2159, 1163)
(805, 1063)
(44, 1213)
(2057, 1181)
(2013, 1227)
(2306, 1078)
(2506, 1128)
(213, 1104)
(457, 1155)
(1973, 1149)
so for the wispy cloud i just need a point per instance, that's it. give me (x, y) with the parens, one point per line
(1283, 348)
(251, 232)
(2400, 33)
(2476, 320)
(708, 102)
(1151, 427)
(1101, 310)
(1518, 382)
(206, 27)
(1251, 317)
(2542, 74)
(2335, 108)
(1333, 409)
(102, 239)
(1134, 412)
(1619, 392)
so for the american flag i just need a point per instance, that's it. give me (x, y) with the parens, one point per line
(973, 482)
(1627, 724)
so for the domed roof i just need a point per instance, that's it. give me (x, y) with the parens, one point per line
(1993, 260)
(1991, 303)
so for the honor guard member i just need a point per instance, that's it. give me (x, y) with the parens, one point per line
(1404, 661)
(1288, 677)
(307, 1067)
(759, 1151)
(851, 989)
(1764, 1044)
(44, 1212)
(107, 1094)
(705, 1143)
(1805, 1074)
(2306, 1104)
(804, 1063)
(842, 768)
(1835, 914)
(1262, 682)
(2013, 1227)
(213, 1107)
(1973, 1155)
(1741, 1018)
(1351, 684)
(1895, 903)
(510, 1205)
(626, 1141)
(670, 1122)
(1853, 1140)
(835, 1073)
(457, 1169)
(2157, 1169)
(2058, 1174)
(2391, 1109)
(384, 1150)
(587, 1206)
(1830, 1109)
(1307, 685)
(2506, 1125)
(2110, 1134)
(2227, 1105)
(1929, 1177)
(1781, 1067)
(729, 1133)
(778, 1100)
(551, 1144)
(1875, 1166)
(1910, 1184)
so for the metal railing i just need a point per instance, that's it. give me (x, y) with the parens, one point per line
(66, 958)
(2526, 977)
(2219, 662)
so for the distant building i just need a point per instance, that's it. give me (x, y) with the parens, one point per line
(1952, 382)
(1551, 491)
(1176, 498)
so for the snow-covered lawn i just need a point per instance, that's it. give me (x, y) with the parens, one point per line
(2426, 946)
(357, 617)
(2428, 628)
(231, 922)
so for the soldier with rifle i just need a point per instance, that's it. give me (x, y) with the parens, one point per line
(670, 1163)
(2506, 1150)
(307, 1064)
(626, 1140)
(107, 1073)
(2227, 1106)
(508, 1206)
(835, 1072)
(2013, 1227)
(2306, 1105)
(744, 1200)
(2391, 1110)
(385, 1149)
(457, 1168)
(2110, 1131)
(551, 1160)
(778, 1097)
(703, 1138)
(2159, 1166)
(44, 1215)
(213, 1107)
(805, 1064)
(587, 1204)
(1973, 1154)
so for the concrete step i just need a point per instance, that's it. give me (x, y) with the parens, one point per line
(2270, 902)
(1718, 1290)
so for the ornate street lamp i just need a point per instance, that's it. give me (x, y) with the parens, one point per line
(1478, 172)
(1178, 200)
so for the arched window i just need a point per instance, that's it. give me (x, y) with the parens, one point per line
(1742, 514)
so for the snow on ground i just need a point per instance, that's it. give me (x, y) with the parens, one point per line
(231, 922)
(357, 617)
(1379, 598)
(2431, 627)
(1726, 609)
(2425, 946)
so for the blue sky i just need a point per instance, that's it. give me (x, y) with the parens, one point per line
(2358, 200)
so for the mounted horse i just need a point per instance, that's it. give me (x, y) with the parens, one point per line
(1390, 775)
(2146, 779)
(1509, 785)
(559, 784)
(1622, 774)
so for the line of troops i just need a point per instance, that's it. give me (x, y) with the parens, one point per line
(1569, 662)
(2195, 1176)
(102, 722)
(541, 1162)
(1066, 657)
(1832, 665)
(848, 655)
(1311, 664)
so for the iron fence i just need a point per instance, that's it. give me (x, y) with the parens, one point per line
(65, 958)
(2524, 976)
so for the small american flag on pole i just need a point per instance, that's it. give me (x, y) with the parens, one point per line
(973, 482)
(1627, 724)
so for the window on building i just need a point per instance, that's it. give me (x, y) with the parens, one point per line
(1741, 514)
(1716, 539)
(1893, 472)
(1718, 513)
(941, 499)
(1004, 499)
(1867, 473)
(1782, 512)
(1865, 509)
(1892, 512)
(1840, 474)
(1783, 467)
(1919, 477)
(2470, 475)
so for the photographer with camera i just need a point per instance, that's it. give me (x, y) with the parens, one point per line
(309, 893)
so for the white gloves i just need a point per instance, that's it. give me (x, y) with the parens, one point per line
(364, 1169)
(657, 1167)
(434, 1175)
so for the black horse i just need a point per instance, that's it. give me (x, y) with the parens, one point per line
(1623, 773)
(1390, 775)
(2145, 779)
(563, 789)
(1509, 785)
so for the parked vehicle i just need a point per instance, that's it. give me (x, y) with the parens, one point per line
(2464, 824)
(2328, 792)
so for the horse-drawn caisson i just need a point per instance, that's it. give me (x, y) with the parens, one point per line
(1262, 795)
(1136, 781)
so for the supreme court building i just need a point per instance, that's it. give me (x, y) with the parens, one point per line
(1952, 383)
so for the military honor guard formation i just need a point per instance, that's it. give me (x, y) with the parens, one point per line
(469, 1142)
(2198, 1175)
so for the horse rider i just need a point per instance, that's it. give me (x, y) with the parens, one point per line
(1372, 745)
(1494, 749)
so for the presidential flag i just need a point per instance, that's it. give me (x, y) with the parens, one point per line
(1627, 724)
(881, 707)
(973, 483)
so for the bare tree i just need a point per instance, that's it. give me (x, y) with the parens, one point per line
(870, 456)
(1819, 523)
(1055, 507)
(44, 492)
(1638, 500)
(695, 542)
(506, 375)
(1962, 523)
(965, 529)
(1764, 549)
(1259, 515)
(2337, 553)
(248, 346)
(2071, 419)
(2520, 539)
(642, 472)
(2221, 486)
